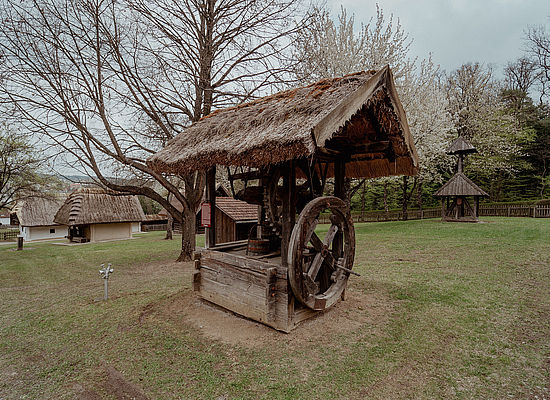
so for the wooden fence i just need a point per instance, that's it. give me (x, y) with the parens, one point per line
(153, 227)
(514, 210)
(489, 210)
(7, 235)
(160, 227)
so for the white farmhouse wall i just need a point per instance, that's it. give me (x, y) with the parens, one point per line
(136, 227)
(43, 232)
(99, 232)
(4, 220)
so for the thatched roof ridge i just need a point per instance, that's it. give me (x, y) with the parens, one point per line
(295, 124)
(97, 206)
(38, 211)
(461, 145)
(460, 185)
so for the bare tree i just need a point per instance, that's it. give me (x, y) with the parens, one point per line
(110, 82)
(520, 75)
(538, 42)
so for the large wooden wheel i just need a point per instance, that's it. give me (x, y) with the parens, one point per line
(318, 269)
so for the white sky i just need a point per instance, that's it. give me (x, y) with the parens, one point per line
(459, 31)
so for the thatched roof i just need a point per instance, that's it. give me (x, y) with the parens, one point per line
(358, 116)
(237, 210)
(460, 185)
(95, 206)
(38, 211)
(461, 145)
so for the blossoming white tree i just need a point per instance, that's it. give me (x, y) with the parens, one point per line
(330, 48)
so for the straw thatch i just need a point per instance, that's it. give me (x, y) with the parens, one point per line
(95, 206)
(461, 145)
(334, 116)
(38, 211)
(460, 185)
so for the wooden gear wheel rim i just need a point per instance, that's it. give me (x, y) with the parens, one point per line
(308, 265)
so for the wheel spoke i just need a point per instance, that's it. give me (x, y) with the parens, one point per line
(330, 260)
(311, 230)
(330, 234)
(315, 266)
(336, 219)
(316, 242)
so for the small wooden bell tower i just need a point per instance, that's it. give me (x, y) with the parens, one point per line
(454, 194)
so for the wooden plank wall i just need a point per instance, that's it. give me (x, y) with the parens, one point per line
(253, 288)
(226, 229)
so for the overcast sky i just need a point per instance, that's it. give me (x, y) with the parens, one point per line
(459, 31)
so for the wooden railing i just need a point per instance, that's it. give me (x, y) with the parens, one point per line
(160, 227)
(7, 235)
(153, 227)
(489, 210)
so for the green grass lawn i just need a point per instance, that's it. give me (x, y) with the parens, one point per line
(441, 310)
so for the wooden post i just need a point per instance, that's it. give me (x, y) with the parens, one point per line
(339, 175)
(476, 201)
(19, 242)
(210, 233)
(339, 191)
(443, 208)
(289, 208)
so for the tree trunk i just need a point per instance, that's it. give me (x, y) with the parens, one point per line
(187, 236)
(405, 198)
(169, 225)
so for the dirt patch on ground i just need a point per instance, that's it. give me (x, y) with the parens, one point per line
(114, 384)
(122, 389)
(358, 310)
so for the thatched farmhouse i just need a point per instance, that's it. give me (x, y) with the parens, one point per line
(35, 217)
(234, 219)
(94, 215)
(4, 217)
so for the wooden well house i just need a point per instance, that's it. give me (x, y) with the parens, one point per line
(284, 148)
(94, 215)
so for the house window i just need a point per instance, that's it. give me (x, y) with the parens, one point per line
(52, 230)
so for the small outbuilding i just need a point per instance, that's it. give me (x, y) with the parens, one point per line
(35, 217)
(234, 219)
(94, 215)
(455, 206)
